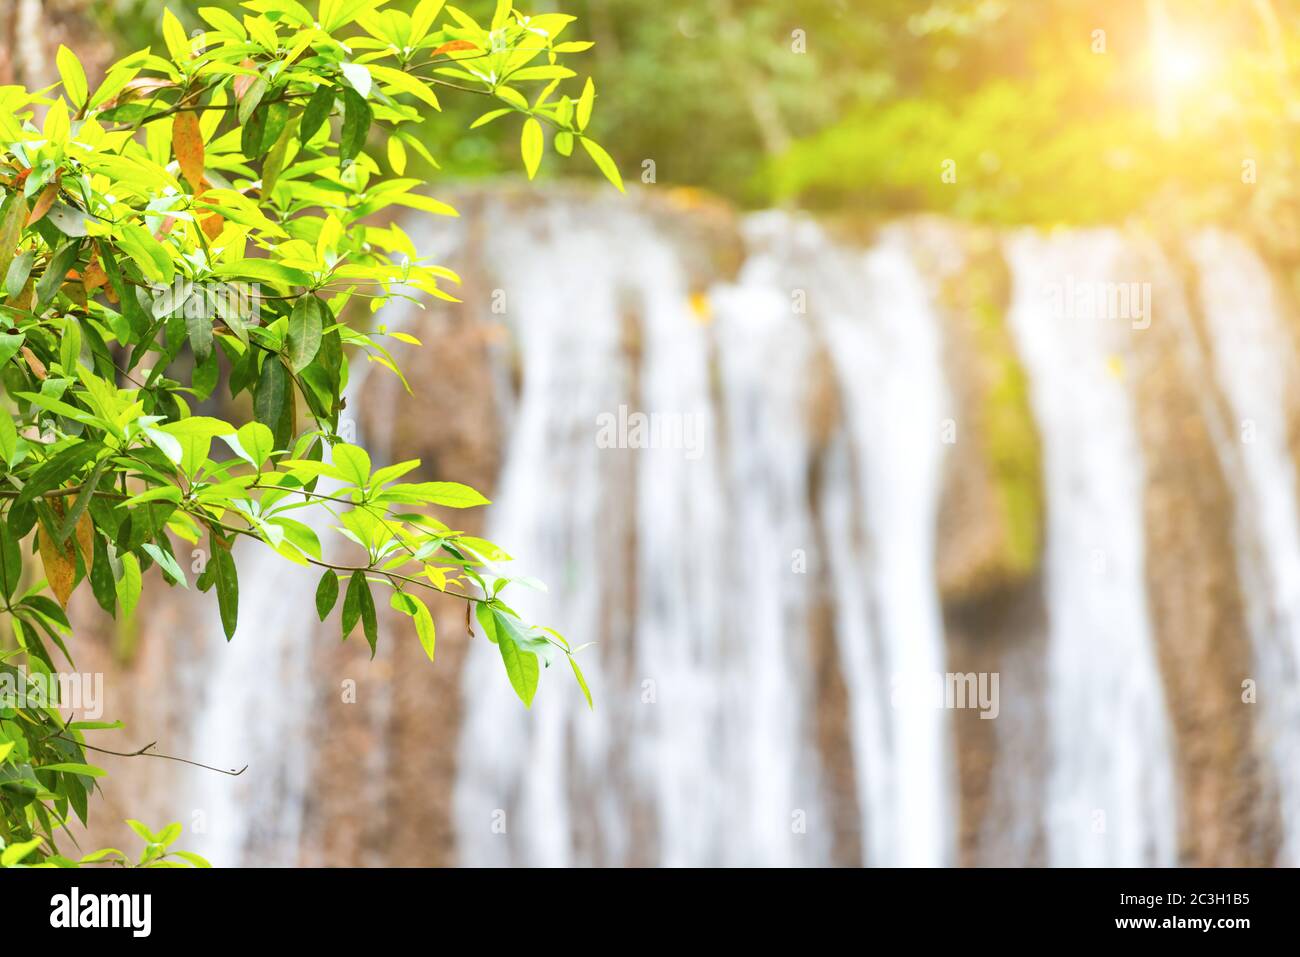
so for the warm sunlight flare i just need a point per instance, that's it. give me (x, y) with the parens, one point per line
(1181, 64)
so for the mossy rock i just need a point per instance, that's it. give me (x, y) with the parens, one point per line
(992, 524)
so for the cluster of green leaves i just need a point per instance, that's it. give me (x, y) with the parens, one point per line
(139, 219)
(44, 771)
(157, 852)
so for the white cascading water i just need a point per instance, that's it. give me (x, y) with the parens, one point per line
(879, 496)
(885, 343)
(1110, 793)
(692, 565)
(1253, 358)
(696, 566)
(257, 692)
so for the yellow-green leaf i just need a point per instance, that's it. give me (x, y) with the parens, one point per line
(585, 103)
(604, 162)
(530, 145)
(74, 76)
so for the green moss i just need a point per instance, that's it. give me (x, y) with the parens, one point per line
(1006, 545)
(1011, 446)
(1010, 442)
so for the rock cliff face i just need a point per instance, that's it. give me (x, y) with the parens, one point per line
(889, 483)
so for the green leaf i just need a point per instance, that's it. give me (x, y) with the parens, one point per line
(166, 443)
(352, 603)
(451, 495)
(327, 593)
(142, 832)
(585, 103)
(97, 725)
(263, 128)
(502, 14)
(129, 584)
(359, 605)
(221, 20)
(271, 395)
(131, 308)
(73, 768)
(253, 443)
(358, 78)
(150, 255)
(198, 327)
(604, 162)
(167, 562)
(488, 117)
(530, 145)
(397, 155)
(8, 442)
(59, 469)
(12, 220)
(73, 75)
(369, 620)
(101, 577)
(262, 270)
(252, 99)
(227, 589)
(11, 562)
(195, 859)
(424, 627)
(83, 500)
(512, 96)
(274, 165)
(582, 682)
(521, 668)
(353, 463)
(357, 117)
(15, 853)
(303, 340)
(10, 343)
(70, 347)
(55, 274)
(316, 112)
(195, 435)
(178, 43)
(410, 605)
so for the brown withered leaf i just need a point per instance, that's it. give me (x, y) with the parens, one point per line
(60, 565)
(213, 223)
(43, 203)
(139, 88)
(244, 81)
(85, 535)
(453, 47)
(35, 364)
(187, 144)
(94, 276)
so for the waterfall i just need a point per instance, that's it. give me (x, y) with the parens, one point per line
(1110, 794)
(729, 480)
(256, 695)
(693, 565)
(1253, 359)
